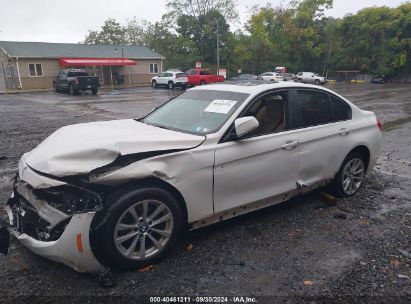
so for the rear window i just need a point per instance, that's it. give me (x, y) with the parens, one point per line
(205, 72)
(309, 108)
(77, 74)
(340, 110)
(180, 75)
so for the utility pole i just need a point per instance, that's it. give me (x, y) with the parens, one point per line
(218, 49)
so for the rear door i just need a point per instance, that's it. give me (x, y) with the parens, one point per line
(322, 122)
(162, 79)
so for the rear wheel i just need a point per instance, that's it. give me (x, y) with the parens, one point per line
(142, 226)
(350, 176)
(171, 85)
(154, 84)
(71, 90)
(203, 82)
(94, 91)
(55, 88)
(317, 82)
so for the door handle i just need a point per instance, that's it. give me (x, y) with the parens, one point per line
(344, 131)
(290, 144)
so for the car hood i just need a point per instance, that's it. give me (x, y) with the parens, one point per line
(78, 149)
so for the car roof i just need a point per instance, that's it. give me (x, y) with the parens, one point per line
(254, 87)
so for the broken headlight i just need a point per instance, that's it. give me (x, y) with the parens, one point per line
(71, 199)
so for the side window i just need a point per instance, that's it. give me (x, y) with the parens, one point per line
(309, 108)
(340, 110)
(35, 70)
(269, 110)
(205, 72)
(153, 68)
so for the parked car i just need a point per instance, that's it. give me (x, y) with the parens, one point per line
(202, 77)
(170, 79)
(310, 77)
(119, 193)
(379, 79)
(289, 77)
(245, 77)
(75, 80)
(271, 76)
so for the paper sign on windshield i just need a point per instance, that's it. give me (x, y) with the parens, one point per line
(220, 106)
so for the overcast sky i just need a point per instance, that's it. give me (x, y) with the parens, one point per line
(69, 21)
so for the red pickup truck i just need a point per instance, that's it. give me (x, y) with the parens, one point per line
(202, 77)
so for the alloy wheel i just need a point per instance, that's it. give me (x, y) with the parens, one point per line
(352, 176)
(143, 230)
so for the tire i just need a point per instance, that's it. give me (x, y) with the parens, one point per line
(203, 82)
(346, 176)
(94, 91)
(170, 85)
(125, 253)
(299, 80)
(184, 87)
(154, 84)
(71, 90)
(317, 82)
(55, 88)
(272, 80)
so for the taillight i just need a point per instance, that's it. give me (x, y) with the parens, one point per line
(379, 124)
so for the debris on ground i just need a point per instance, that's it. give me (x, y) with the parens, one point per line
(340, 216)
(190, 247)
(402, 276)
(308, 283)
(146, 269)
(405, 253)
(105, 278)
(395, 262)
(328, 198)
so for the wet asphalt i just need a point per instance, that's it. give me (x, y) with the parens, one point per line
(302, 250)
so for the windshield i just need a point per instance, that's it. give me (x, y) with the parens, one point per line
(198, 112)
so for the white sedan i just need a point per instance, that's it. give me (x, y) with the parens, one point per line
(119, 193)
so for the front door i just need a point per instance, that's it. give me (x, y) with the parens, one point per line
(262, 165)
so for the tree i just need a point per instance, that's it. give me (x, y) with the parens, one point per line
(111, 33)
(197, 8)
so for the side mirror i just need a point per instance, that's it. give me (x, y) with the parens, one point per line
(245, 125)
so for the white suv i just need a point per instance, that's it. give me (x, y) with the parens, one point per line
(310, 77)
(119, 193)
(271, 76)
(170, 79)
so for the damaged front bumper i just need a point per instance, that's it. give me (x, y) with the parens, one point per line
(49, 232)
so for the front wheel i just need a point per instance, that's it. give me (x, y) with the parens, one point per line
(55, 88)
(203, 82)
(350, 176)
(142, 226)
(317, 82)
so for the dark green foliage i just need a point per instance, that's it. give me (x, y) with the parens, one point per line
(298, 36)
